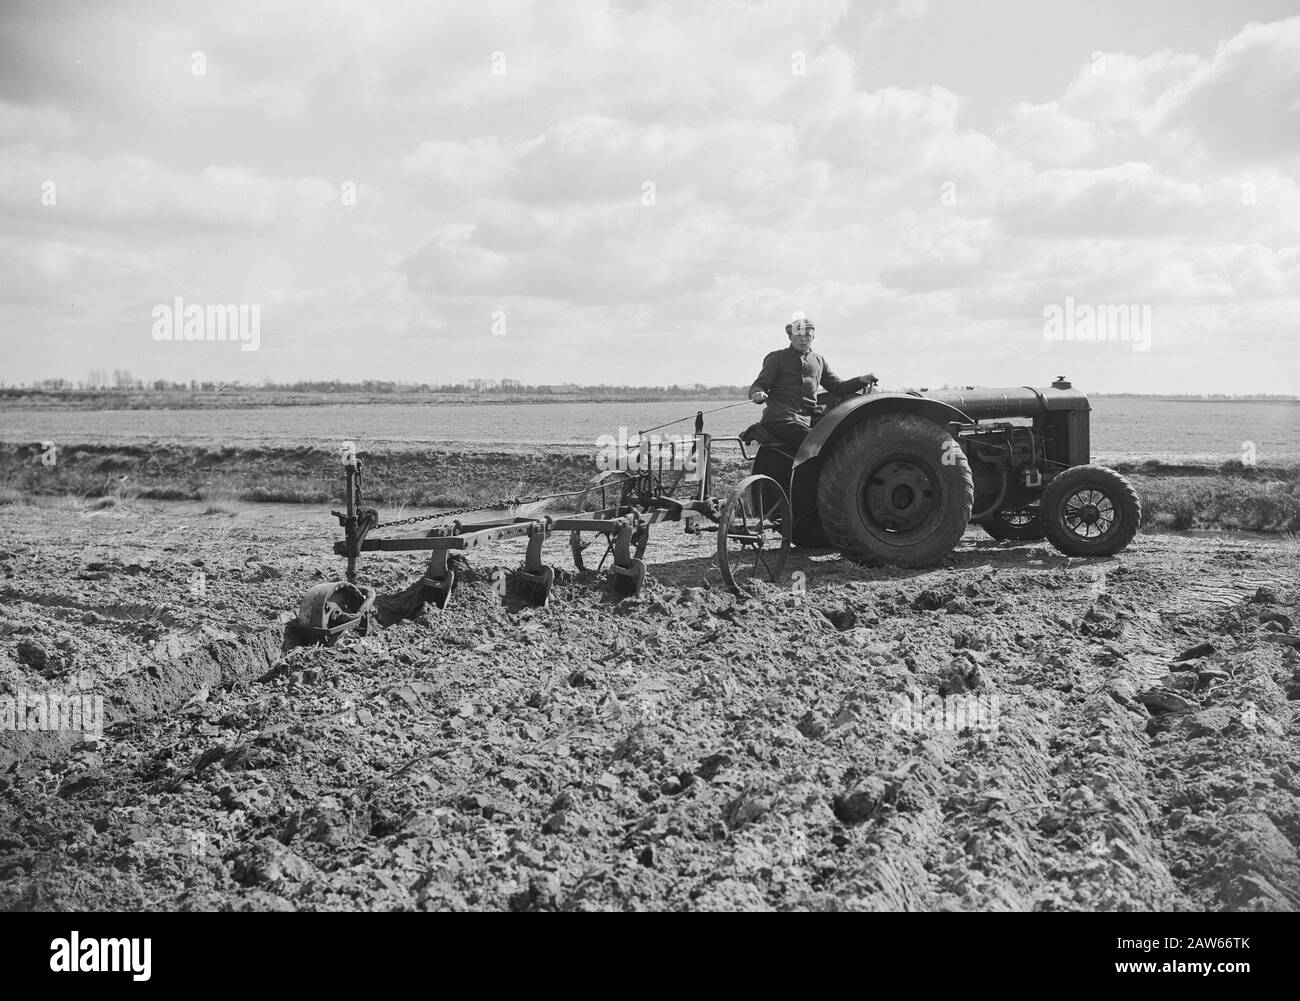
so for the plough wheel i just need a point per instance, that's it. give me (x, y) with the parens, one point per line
(754, 533)
(606, 493)
(580, 542)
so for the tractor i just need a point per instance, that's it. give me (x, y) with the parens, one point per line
(896, 477)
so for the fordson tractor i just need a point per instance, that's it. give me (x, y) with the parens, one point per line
(896, 477)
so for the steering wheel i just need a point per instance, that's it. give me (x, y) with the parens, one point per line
(866, 390)
(829, 401)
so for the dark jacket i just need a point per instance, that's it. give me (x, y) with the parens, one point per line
(791, 380)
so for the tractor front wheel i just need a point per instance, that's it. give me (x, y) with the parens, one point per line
(1090, 511)
(897, 489)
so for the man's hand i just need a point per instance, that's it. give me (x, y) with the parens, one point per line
(759, 396)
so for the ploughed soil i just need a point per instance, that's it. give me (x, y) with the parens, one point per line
(1119, 733)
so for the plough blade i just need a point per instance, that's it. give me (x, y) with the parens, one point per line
(438, 590)
(534, 587)
(626, 581)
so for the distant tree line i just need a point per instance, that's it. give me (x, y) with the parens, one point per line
(100, 380)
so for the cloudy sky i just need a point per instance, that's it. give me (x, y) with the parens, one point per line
(644, 193)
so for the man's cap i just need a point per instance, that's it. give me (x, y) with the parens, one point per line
(800, 324)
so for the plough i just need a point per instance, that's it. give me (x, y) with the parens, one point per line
(752, 523)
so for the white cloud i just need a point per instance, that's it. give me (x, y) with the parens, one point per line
(1244, 105)
(782, 180)
(138, 190)
(22, 123)
(1047, 134)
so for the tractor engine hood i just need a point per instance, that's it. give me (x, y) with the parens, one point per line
(960, 406)
(1019, 401)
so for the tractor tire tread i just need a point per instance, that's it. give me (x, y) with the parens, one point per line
(840, 473)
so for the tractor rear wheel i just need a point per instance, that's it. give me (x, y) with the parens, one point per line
(1016, 524)
(896, 489)
(1090, 511)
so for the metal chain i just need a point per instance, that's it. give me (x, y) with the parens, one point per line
(417, 518)
(442, 514)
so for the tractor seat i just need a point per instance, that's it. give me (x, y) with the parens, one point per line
(756, 434)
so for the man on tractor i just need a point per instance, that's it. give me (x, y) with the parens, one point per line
(788, 386)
